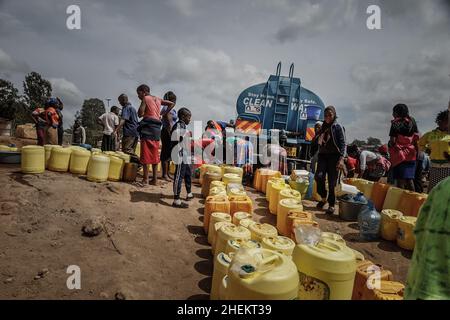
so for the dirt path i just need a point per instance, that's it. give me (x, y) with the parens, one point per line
(162, 252)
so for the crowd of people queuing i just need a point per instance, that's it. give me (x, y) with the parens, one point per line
(403, 161)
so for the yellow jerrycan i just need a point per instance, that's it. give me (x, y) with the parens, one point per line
(215, 229)
(218, 203)
(367, 187)
(261, 274)
(59, 159)
(279, 244)
(215, 191)
(238, 216)
(262, 230)
(270, 183)
(235, 189)
(240, 203)
(266, 175)
(405, 235)
(327, 271)
(208, 168)
(115, 168)
(333, 237)
(389, 224)
(221, 265)
(48, 151)
(389, 290)
(285, 206)
(231, 178)
(216, 217)
(289, 193)
(234, 245)
(98, 168)
(275, 195)
(207, 179)
(229, 232)
(79, 161)
(393, 198)
(234, 170)
(217, 184)
(246, 223)
(33, 159)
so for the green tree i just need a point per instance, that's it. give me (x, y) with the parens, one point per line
(90, 111)
(373, 141)
(76, 117)
(12, 105)
(37, 90)
(9, 98)
(359, 143)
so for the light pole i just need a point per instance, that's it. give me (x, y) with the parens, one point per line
(108, 100)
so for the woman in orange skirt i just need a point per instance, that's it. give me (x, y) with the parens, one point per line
(150, 129)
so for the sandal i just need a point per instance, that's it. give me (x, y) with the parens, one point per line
(181, 205)
(320, 204)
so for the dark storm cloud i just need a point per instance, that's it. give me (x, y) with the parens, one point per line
(209, 51)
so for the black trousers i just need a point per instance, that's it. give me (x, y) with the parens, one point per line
(182, 172)
(326, 167)
(108, 143)
(60, 135)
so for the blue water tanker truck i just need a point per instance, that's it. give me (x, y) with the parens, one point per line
(281, 104)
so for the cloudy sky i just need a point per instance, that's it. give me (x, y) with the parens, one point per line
(208, 51)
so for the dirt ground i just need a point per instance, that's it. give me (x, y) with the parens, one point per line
(153, 252)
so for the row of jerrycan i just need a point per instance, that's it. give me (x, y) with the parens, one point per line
(97, 166)
(226, 204)
(385, 196)
(397, 227)
(373, 282)
(329, 270)
(325, 271)
(248, 284)
(326, 283)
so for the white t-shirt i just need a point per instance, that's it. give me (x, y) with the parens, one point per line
(365, 157)
(110, 120)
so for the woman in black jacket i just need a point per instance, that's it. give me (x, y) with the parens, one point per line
(332, 150)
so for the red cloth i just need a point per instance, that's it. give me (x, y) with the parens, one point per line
(51, 116)
(404, 149)
(351, 163)
(149, 152)
(153, 107)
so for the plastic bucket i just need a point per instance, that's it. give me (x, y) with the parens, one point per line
(349, 210)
